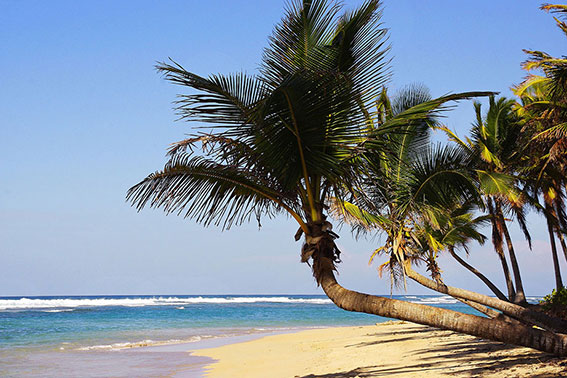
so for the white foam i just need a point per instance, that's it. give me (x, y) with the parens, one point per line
(70, 303)
(534, 299)
(119, 346)
(143, 343)
(436, 300)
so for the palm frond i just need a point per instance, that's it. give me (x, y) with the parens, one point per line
(434, 107)
(361, 220)
(226, 100)
(361, 51)
(299, 41)
(209, 193)
(531, 81)
(494, 183)
(438, 178)
(554, 132)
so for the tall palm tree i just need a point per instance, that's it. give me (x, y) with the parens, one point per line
(493, 154)
(544, 105)
(299, 133)
(542, 167)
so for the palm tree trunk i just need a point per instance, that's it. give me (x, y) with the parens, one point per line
(561, 225)
(481, 276)
(513, 310)
(497, 242)
(490, 329)
(480, 308)
(558, 281)
(562, 242)
(520, 297)
(493, 314)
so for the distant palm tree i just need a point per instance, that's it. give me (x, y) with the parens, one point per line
(286, 141)
(493, 155)
(455, 228)
(544, 163)
(544, 106)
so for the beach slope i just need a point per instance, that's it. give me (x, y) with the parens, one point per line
(386, 349)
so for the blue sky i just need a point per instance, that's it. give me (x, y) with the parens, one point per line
(84, 116)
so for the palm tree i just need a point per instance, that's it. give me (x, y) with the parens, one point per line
(544, 105)
(543, 178)
(299, 133)
(456, 228)
(493, 155)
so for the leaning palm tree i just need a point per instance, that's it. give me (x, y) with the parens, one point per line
(299, 133)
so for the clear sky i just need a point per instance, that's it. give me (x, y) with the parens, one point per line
(84, 116)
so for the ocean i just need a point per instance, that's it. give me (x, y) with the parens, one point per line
(148, 336)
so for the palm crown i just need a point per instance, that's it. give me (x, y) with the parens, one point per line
(292, 136)
(282, 140)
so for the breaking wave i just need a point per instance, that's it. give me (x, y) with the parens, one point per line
(69, 303)
(445, 299)
(56, 305)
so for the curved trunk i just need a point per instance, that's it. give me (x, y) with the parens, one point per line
(520, 297)
(558, 282)
(513, 310)
(481, 276)
(491, 329)
(497, 242)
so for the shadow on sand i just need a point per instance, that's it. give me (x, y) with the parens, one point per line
(466, 358)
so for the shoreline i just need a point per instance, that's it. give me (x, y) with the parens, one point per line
(393, 348)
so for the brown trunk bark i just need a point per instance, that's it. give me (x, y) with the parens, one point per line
(493, 314)
(513, 310)
(520, 297)
(558, 282)
(481, 276)
(561, 226)
(480, 308)
(491, 329)
(497, 242)
(562, 241)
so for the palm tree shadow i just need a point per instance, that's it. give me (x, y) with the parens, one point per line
(467, 358)
(361, 372)
(392, 340)
(413, 332)
(479, 367)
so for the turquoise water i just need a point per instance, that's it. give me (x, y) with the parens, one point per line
(48, 336)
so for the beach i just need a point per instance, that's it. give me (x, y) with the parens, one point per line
(398, 349)
(247, 336)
